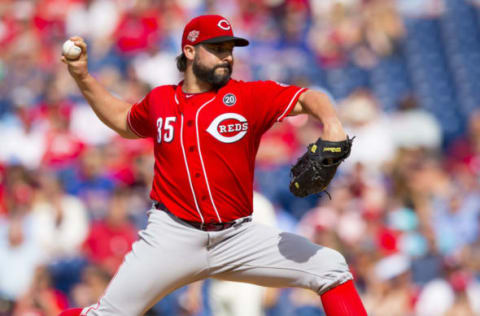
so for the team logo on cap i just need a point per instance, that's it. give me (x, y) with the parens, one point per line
(193, 35)
(229, 99)
(224, 25)
(228, 127)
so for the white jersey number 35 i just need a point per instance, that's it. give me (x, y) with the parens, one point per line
(166, 130)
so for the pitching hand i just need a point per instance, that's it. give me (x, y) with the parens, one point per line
(78, 68)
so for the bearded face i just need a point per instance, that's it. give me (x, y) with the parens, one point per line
(217, 75)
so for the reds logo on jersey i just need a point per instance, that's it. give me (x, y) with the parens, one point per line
(228, 127)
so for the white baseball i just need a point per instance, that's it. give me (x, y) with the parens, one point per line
(70, 50)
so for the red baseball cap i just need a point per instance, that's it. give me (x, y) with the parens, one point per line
(210, 29)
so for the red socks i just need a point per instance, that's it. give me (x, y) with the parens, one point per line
(343, 300)
(71, 312)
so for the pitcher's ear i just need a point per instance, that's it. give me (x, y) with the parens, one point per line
(189, 52)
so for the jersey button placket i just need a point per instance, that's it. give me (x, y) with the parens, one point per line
(189, 138)
(196, 173)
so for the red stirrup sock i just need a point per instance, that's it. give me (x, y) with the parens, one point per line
(343, 300)
(71, 312)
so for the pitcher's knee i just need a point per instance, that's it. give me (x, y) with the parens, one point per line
(337, 260)
(330, 270)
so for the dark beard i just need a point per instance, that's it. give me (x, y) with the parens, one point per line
(208, 74)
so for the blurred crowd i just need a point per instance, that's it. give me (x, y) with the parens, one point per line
(405, 207)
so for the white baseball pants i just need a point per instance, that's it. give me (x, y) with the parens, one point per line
(170, 254)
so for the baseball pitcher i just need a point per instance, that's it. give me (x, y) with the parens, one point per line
(206, 131)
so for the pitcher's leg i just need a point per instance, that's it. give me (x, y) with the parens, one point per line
(265, 256)
(343, 300)
(156, 266)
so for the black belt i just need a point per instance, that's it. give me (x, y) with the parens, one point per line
(205, 226)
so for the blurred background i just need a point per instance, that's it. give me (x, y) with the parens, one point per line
(406, 204)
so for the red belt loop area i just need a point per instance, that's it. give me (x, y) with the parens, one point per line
(205, 226)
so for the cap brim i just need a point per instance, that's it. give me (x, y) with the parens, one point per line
(237, 40)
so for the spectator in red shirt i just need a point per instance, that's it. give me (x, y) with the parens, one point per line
(112, 237)
(138, 28)
(62, 146)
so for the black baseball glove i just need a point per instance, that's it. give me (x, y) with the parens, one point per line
(316, 168)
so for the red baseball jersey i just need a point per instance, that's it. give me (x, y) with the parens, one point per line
(206, 143)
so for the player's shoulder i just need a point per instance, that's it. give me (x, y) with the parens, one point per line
(261, 83)
(254, 87)
(160, 93)
(233, 83)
